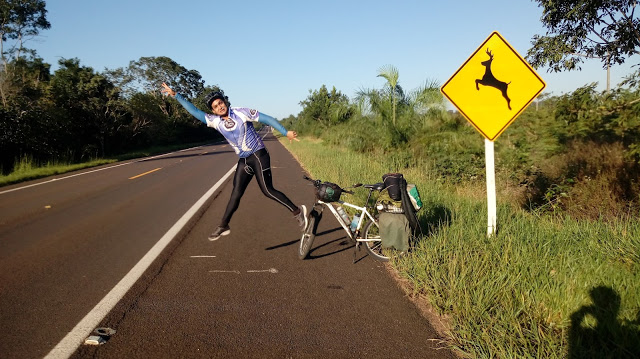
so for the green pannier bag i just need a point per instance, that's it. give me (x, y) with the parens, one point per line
(394, 231)
(414, 196)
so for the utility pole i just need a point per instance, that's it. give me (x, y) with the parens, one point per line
(608, 72)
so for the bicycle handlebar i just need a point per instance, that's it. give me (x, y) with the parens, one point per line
(317, 183)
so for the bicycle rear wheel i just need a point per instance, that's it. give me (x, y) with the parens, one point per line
(372, 243)
(308, 235)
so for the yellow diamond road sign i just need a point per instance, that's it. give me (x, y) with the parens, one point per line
(493, 86)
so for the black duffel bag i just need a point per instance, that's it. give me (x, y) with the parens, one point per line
(393, 185)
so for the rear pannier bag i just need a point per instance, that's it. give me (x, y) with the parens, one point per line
(408, 199)
(395, 231)
(392, 183)
(328, 192)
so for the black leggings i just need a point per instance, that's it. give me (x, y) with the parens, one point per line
(259, 164)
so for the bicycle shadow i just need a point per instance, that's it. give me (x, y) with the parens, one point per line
(297, 240)
(344, 243)
(609, 337)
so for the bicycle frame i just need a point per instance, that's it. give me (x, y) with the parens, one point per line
(363, 229)
(347, 226)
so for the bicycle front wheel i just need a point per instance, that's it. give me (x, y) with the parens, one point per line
(372, 243)
(308, 236)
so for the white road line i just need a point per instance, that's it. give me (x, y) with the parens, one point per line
(270, 270)
(266, 132)
(76, 336)
(84, 173)
(203, 256)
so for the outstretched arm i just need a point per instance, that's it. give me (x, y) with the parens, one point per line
(270, 121)
(191, 108)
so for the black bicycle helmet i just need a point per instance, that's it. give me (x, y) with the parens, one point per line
(212, 96)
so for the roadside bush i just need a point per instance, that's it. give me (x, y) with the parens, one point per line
(455, 155)
(589, 181)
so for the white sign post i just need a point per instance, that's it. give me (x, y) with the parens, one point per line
(491, 187)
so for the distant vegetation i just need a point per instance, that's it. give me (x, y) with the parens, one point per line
(77, 114)
(577, 153)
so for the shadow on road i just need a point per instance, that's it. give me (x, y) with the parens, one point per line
(342, 241)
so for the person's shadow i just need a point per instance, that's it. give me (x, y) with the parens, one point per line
(608, 338)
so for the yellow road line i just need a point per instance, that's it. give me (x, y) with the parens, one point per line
(146, 173)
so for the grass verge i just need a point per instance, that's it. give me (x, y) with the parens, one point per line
(544, 287)
(26, 169)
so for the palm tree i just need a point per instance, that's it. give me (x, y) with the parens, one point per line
(386, 101)
(428, 96)
(390, 73)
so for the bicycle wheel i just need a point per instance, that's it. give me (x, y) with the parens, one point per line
(373, 245)
(308, 235)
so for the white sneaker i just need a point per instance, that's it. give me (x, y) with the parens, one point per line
(303, 221)
(220, 231)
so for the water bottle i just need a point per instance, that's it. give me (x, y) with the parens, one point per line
(354, 223)
(343, 214)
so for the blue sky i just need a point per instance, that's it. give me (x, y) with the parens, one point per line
(268, 54)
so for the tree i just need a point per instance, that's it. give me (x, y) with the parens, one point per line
(577, 29)
(428, 97)
(89, 104)
(26, 82)
(325, 107)
(391, 74)
(148, 73)
(389, 101)
(398, 110)
(20, 20)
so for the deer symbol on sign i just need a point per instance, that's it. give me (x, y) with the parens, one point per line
(489, 80)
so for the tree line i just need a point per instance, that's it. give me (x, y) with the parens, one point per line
(562, 153)
(76, 113)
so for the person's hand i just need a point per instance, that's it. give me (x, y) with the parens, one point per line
(166, 89)
(292, 135)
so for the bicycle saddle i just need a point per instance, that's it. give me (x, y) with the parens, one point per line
(377, 186)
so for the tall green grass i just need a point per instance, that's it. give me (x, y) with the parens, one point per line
(544, 287)
(27, 169)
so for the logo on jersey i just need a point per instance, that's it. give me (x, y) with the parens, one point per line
(229, 124)
(253, 113)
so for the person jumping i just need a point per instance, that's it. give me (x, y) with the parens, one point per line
(236, 125)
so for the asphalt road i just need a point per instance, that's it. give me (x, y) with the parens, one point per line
(66, 244)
